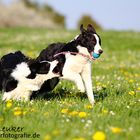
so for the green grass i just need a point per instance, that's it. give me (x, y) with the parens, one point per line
(114, 75)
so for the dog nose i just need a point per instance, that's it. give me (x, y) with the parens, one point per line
(100, 51)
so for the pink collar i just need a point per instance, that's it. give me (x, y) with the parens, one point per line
(84, 55)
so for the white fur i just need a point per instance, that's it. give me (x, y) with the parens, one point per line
(97, 46)
(26, 86)
(74, 38)
(21, 71)
(78, 69)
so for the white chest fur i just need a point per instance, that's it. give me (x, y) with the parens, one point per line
(75, 63)
(78, 69)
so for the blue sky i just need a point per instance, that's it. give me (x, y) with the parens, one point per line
(111, 14)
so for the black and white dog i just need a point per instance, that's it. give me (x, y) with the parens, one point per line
(74, 59)
(64, 60)
(20, 76)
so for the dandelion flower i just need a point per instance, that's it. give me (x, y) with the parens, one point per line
(131, 93)
(104, 111)
(99, 135)
(24, 112)
(9, 104)
(89, 106)
(138, 88)
(64, 111)
(18, 111)
(73, 113)
(131, 81)
(82, 114)
(116, 129)
(47, 137)
(98, 83)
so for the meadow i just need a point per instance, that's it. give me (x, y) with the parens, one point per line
(65, 114)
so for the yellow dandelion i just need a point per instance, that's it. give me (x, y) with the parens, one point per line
(82, 114)
(98, 84)
(47, 137)
(9, 104)
(136, 75)
(73, 113)
(126, 73)
(104, 111)
(89, 106)
(116, 129)
(24, 112)
(131, 93)
(18, 111)
(104, 86)
(99, 135)
(17, 108)
(131, 81)
(64, 111)
(138, 88)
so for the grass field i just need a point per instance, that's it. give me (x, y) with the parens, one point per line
(66, 113)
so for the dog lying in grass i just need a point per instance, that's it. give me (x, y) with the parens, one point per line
(74, 59)
(20, 76)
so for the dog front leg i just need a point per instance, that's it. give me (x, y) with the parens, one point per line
(7, 96)
(86, 76)
(75, 78)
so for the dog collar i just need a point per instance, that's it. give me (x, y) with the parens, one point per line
(84, 55)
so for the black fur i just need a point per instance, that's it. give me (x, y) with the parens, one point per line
(85, 39)
(9, 62)
(1, 76)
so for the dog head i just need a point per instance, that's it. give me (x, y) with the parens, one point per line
(90, 40)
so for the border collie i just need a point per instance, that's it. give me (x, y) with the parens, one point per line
(69, 61)
(20, 76)
(74, 59)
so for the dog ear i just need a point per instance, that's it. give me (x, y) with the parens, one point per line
(82, 29)
(90, 28)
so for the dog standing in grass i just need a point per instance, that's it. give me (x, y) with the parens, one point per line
(71, 60)
(74, 59)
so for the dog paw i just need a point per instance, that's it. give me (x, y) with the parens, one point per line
(6, 96)
(92, 102)
(21, 98)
